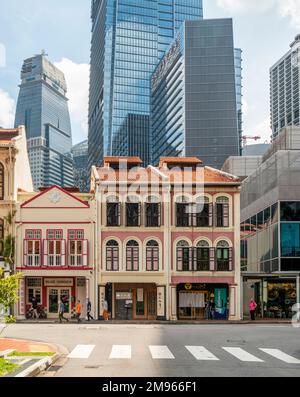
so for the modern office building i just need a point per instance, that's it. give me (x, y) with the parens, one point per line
(270, 228)
(128, 40)
(133, 137)
(193, 95)
(285, 89)
(81, 171)
(239, 92)
(43, 109)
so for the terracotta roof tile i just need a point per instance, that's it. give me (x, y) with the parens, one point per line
(117, 159)
(6, 134)
(180, 160)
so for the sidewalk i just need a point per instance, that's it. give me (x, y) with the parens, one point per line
(25, 346)
(177, 322)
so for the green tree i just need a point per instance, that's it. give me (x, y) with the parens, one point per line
(8, 243)
(9, 287)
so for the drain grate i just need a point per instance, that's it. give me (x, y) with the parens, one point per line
(92, 366)
(54, 368)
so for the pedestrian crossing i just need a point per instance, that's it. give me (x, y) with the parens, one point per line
(200, 353)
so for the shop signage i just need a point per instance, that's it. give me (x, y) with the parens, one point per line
(195, 287)
(57, 282)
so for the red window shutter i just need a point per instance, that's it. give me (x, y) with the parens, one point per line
(109, 259)
(45, 253)
(135, 259)
(212, 259)
(211, 214)
(115, 258)
(156, 259)
(148, 259)
(230, 259)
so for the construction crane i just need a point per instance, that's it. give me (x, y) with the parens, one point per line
(246, 137)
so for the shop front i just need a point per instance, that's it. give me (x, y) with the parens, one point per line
(133, 301)
(202, 301)
(50, 291)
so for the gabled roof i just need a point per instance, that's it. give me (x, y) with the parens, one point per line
(60, 198)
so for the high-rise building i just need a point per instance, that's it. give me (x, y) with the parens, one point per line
(194, 100)
(129, 37)
(81, 171)
(285, 89)
(239, 96)
(43, 109)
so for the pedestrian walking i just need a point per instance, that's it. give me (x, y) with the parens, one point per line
(34, 307)
(207, 310)
(78, 311)
(252, 307)
(212, 309)
(88, 310)
(61, 312)
(105, 311)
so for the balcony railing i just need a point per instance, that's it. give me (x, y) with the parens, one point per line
(222, 266)
(53, 261)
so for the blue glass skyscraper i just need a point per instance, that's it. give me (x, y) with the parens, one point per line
(129, 37)
(43, 109)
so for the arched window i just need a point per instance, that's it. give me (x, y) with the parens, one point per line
(222, 211)
(112, 255)
(1, 181)
(1, 236)
(203, 212)
(152, 212)
(152, 256)
(184, 256)
(132, 255)
(133, 212)
(224, 256)
(183, 212)
(202, 256)
(113, 211)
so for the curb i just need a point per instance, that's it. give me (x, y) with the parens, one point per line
(37, 368)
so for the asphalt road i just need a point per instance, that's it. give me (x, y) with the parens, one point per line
(120, 350)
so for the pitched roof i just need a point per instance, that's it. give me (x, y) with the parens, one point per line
(117, 159)
(180, 160)
(6, 134)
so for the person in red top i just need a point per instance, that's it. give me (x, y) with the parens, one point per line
(78, 311)
(252, 307)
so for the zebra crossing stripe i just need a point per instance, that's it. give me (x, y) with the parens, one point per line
(121, 352)
(161, 352)
(280, 355)
(201, 353)
(81, 351)
(242, 355)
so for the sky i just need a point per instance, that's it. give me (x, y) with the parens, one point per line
(263, 29)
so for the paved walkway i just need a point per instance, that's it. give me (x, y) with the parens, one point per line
(25, 346)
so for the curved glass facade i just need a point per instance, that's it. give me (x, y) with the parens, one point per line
(129, 38)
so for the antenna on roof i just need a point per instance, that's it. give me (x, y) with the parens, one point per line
(43, 53)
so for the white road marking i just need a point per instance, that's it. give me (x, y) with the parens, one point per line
(120, 351)
(81, 351)
(201, 353)
(161, 352)
(281, 356)
(242, 355)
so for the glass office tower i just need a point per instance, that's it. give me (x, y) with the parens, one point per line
(81, 172)
(239, 96)
(129, 37)
(43, 109)
(194, 96)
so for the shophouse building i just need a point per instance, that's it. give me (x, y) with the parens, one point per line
(168, 239)
(55, 237)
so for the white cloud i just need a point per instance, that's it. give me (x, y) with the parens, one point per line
(263, 130)
(244, 6)
(290, 9)
(77, 76)
(7, 110)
